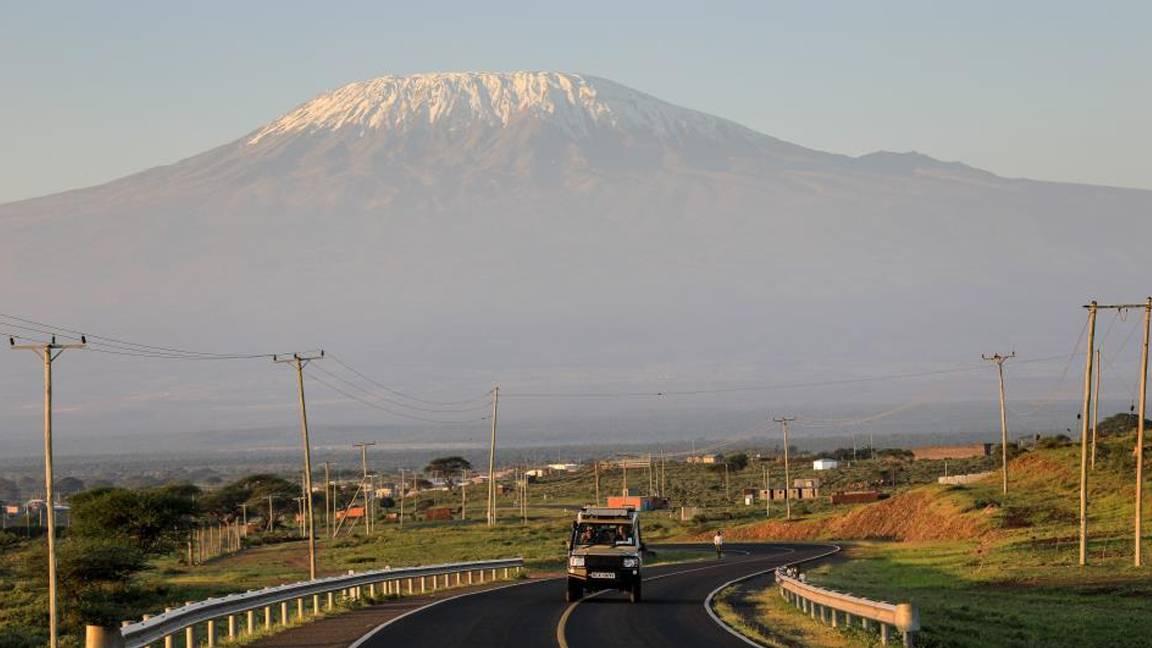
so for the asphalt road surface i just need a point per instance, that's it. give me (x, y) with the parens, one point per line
(535, 615)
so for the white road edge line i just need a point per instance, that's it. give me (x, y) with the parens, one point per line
(562, 641)
(374, 631)
(713, 593)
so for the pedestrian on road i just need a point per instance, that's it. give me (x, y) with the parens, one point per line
(718, 542)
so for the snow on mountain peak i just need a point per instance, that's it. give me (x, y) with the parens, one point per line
(574, 102)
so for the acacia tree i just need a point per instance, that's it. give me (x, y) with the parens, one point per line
(448, 467)
(152, 521)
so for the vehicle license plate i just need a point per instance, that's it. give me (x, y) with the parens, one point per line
(609, 575)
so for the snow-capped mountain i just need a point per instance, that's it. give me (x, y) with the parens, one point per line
(574, 103)
(558, 231)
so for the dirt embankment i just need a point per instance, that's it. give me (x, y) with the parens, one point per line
(917, 515)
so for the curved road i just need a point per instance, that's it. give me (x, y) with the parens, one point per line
(534, 615)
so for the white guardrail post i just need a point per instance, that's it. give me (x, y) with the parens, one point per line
(830, 606)
(199, 622)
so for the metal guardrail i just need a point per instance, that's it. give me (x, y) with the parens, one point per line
(828, 606)
(164, 629)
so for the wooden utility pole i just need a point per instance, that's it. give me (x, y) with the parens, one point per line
(1088, 357)
(1093, 308)
(1000, 360)
(402, 487)
(300, 361)
(368, 498)
(464, 496)
(524, 496)
(492, 458)
(784, 421)
(727, 494)
(1142, 410)
(663, 475)
(767, 493)
(48, 353)
(327, 501)
(1096, 406)
(596, 468)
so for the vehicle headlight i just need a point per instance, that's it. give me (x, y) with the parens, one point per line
(631, 562)
(576, 561)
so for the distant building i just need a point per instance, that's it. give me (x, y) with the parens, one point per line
(705, 459)
(857, 497)
(637, 502)
(952, 452)
(825, 464)
(796, 493)
(37, 508)
(564, 467)
(439, 513)
(351, 513)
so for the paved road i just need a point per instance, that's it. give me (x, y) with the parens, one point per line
(535, 615)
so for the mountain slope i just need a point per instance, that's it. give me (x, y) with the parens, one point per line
(555, 231)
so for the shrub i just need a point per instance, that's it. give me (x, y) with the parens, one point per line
(12, 636)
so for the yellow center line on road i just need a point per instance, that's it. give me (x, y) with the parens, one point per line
(563, 642)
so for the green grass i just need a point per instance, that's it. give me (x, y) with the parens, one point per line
(1020, 584)
(1041, 534)
(767, 619)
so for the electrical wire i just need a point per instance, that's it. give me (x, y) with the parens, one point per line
(752, 388)
(396, 403)
(117, 346)
(401, 394)
(374, 405)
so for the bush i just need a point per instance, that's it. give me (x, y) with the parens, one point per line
(92, 562)
(153, 521)
(12, 636)
(1058, 441)
(8, 540)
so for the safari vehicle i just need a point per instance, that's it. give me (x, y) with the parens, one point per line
(604, 552)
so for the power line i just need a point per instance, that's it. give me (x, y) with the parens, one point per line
(751, 388)
(119, 346)
(374, 405)
(399, 403)
(481, 397)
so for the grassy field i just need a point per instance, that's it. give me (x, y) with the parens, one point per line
(1018, 582)
(552, 502)
(170, 582)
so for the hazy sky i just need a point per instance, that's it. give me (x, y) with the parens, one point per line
(1049, 90)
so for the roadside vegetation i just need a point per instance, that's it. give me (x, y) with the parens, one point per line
(970, 537)
(1009, 575)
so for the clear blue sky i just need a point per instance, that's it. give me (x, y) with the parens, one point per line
(1050, 90)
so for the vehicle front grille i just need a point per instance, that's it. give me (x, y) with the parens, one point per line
(603, 562)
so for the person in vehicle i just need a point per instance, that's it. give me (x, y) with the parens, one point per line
(623, 534)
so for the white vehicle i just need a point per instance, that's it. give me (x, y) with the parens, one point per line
(605, 552)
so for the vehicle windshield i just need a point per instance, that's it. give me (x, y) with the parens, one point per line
(601, 533)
